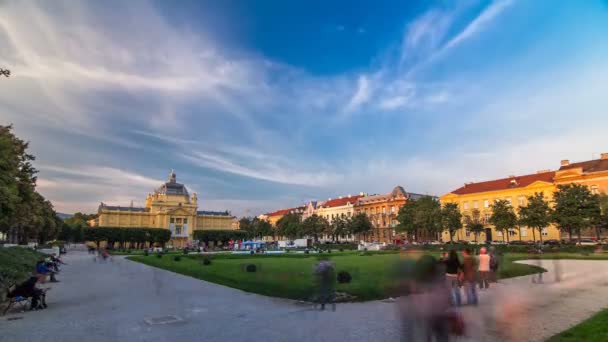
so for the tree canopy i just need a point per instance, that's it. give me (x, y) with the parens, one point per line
(451, 219)
(421, 215)
(536, 215)
(474, 223)
(24, 213)
(503, 217)
(576, 208)
(314, 226)
(360, 224)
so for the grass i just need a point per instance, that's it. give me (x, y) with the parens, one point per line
(374, 275)
(594, 329)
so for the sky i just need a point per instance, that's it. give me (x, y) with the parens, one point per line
(261, 105)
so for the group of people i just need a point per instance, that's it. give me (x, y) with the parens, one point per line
(469, 272)
(45, 268)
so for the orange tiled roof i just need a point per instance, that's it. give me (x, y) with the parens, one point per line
(505, 183)
(281, 212)
(337, 202)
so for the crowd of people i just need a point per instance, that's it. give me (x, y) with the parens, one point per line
(45, 270)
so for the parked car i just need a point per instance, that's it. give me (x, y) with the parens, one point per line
(587, 242)
(516, 242)
(498, 242)
(551, 242)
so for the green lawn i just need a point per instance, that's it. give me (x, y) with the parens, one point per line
(290, 276)
(595, 329)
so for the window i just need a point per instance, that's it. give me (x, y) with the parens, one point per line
(465, 205)
(348, 214)
(185, 221)
(545, 231)
(499, 233)
(172, 220)
(486, 218)
(512, 232)
(475, 206)
(393, 209)
(521, 201)
(178, 220)
(384, 210)
(468, 233)
(524, 232)
(486, 204)
(595, 190)
(178, 230)
(384, 233)
(509, 200)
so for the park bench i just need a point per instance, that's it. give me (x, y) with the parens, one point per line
(16, 301)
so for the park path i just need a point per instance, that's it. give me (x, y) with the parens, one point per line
(115, 301)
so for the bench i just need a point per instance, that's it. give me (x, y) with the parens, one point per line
(15, 301)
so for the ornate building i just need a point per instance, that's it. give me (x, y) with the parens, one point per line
(382, 211)
(168, 207)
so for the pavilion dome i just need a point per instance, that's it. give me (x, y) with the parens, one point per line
(172, 187)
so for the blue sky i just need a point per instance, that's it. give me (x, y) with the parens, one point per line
(263, 105)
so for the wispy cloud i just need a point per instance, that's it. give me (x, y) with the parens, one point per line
(362, 94)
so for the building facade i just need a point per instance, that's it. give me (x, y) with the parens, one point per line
(168, 207)
(382, 211)
(517, 189)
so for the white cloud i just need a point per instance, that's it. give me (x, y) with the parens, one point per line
(480, 22)
(361, 95)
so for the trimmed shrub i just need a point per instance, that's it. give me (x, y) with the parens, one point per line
(206, 261)
(146, 252)
(306, 251)
(177, 258)
(186, 251)
(341, 250)
(344, 277)
(251, 268)
(159, 255)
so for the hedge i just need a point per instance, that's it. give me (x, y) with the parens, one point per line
(343, 246)
(135, 236)
(16, 265)
(219, 235)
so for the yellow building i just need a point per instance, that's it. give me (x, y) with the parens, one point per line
(168, 207)
(515, 190)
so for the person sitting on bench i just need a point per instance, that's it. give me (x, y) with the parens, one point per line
(28, 289)
(43, 271)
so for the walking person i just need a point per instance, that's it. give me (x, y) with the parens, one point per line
(484, 269)
(453, 267)
(326, 279)
(470, 271)
(494, 264)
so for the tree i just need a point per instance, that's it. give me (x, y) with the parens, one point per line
(262, 228)
(290, 226)
(451, 219)
(314, 226)
(360, 224)
(576, 208)
(503, 217)
(603, 224)
(474, 223)
(339, 227)
(421, 215)
(536, 215)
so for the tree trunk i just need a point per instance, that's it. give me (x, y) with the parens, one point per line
(503, 236)
(578, 231)
(534, 234)
(540, 234)
(451, 236)
(598, 233)
(519, 229)
(570, 234)
(508, 231)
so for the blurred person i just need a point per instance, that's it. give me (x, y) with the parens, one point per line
(326, 280)
(453, 267)
(469, 274)
(43, 271)
(537, 278)
(28, 289)
(484, 269)
(494, 264)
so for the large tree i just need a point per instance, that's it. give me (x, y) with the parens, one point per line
(339, 227)
(421, 216)
(24, 214)
(290, 226)
(576, 208)
(503, 217)
(451, 219)
(262, 228)
(536, 215)
(474, 223)
(360, 224)
(313, 226)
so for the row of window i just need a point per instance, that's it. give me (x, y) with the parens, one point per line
(512, 232)
(178, 220)
(521, 201)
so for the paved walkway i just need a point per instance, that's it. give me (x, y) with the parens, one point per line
(117, 301)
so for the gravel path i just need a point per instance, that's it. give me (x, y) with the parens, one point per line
(125, 301)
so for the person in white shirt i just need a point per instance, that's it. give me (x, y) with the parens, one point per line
(484, 269)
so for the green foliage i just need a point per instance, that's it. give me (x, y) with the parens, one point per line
(177, 258)
(314, 226)
(251, 268)
(342, 246)
(291, 226)
(255, 227)
(134, 235)
(16, 265)
(503, 217)
(474, 223)
(593, 329)
(24, 214)
(451, 219)
(223, 236)
(339, 227)
(421, 215)
(576, 208)
(159, 255)
(537, 214)
(344, 277)
(206, 261)
(360, 224)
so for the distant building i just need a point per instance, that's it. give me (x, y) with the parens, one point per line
(168, 207)
(382, 211)
(517, 189)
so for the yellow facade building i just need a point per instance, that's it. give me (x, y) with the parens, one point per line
(168, 207)
(516, 190)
